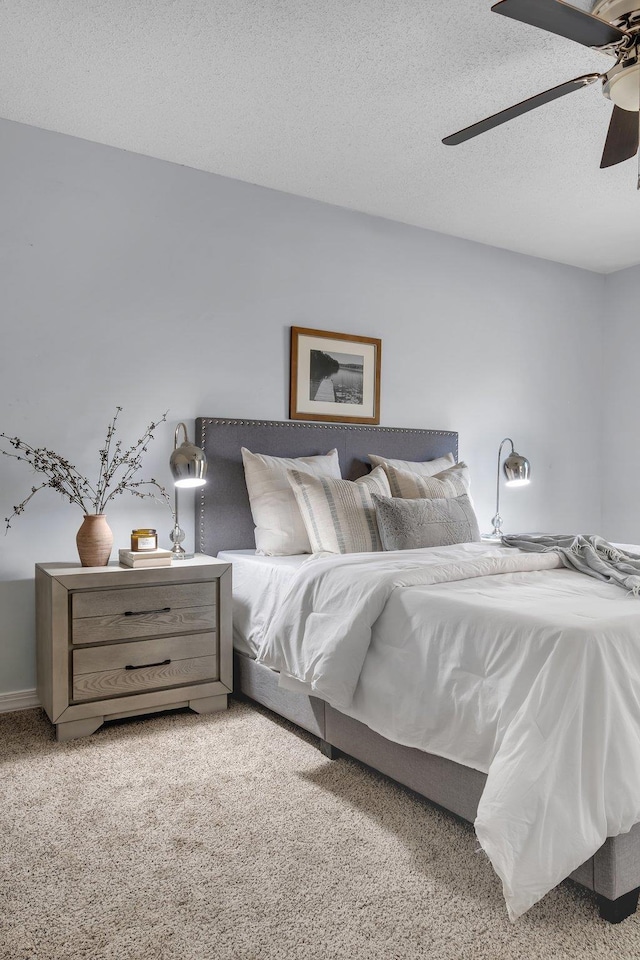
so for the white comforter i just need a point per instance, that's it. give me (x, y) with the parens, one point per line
(495, 659)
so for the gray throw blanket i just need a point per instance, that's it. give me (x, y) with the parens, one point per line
(588, 554)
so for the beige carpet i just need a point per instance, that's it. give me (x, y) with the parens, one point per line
(231, 836)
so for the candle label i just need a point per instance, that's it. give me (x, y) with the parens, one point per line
(146, 543)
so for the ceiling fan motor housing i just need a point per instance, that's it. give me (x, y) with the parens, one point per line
(615, 11)
(622, 84)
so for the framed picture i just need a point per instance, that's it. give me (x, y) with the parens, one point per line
(334, 376)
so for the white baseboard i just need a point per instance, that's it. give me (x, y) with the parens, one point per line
(19, 700)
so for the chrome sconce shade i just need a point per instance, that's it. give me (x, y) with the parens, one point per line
(188, 462)
(188, 465)
(517, 471)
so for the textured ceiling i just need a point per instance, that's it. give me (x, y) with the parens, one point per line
(345, 101)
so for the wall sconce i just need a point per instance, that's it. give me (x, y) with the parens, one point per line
(189, 467)
(517, 470)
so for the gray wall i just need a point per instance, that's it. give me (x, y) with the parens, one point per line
(131, 281)
(621, 452)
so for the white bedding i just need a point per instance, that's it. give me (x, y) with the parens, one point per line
(507, 664)
(259, 586)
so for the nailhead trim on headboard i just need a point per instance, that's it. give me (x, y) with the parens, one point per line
(305, 425)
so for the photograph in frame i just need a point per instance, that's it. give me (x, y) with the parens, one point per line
(334, 376)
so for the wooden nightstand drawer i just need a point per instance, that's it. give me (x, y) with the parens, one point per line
(143, 624)
(123, 668)
(101, 615)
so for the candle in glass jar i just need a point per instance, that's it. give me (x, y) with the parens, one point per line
(144, 539)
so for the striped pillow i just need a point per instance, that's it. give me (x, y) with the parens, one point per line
(340, 515)
(424, 468)
(453, 482)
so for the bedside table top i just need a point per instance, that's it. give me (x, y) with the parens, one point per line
(74, 575)
(62, 567)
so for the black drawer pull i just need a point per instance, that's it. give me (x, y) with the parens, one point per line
(142, 666)
(143, 613)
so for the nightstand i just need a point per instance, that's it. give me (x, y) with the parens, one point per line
(116, 642)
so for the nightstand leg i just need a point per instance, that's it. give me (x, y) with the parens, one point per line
(209, 704)
(72, 729)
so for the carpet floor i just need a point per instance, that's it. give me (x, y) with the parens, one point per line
(231, 837)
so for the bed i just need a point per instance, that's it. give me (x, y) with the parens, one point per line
(224, 523)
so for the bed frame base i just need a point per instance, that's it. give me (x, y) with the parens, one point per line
(615, 911)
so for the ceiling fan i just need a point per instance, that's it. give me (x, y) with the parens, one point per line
(613, 28)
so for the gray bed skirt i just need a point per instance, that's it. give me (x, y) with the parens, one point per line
(612, 872)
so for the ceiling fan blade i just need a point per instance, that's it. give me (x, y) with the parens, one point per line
(622, 138)
(519, 108)
(563, 19)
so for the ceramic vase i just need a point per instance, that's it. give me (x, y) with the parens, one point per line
(94, 540)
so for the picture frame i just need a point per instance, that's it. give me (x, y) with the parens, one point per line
(334, 376)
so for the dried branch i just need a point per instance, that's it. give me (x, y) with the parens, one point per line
(115, 476)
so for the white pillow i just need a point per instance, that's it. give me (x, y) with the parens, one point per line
(280, 530)
(453, 482)
(424, 468)
(340, 515)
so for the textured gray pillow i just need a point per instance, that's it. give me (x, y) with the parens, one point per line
(409, 524)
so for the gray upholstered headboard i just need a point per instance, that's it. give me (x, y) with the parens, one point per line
(223, 515)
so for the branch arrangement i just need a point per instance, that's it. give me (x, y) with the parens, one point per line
(116, 475)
